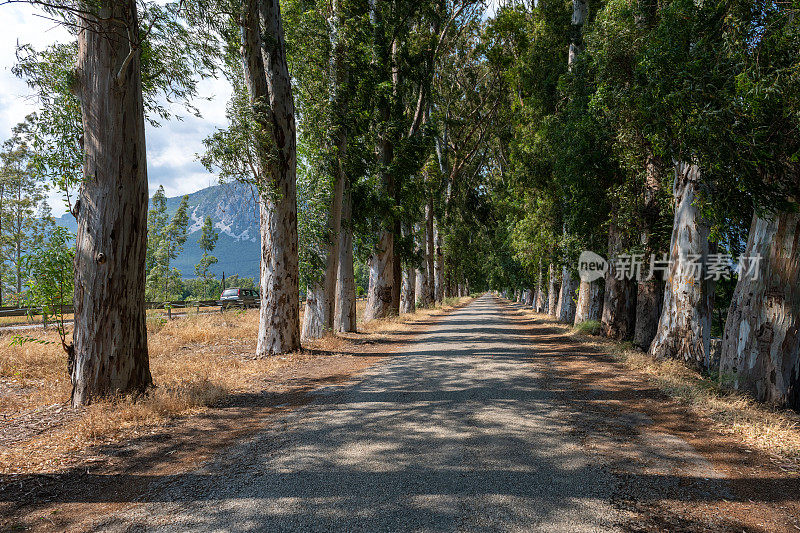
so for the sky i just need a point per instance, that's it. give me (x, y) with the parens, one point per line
(172, 149)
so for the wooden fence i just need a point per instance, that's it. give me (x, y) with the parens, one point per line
(30, 312)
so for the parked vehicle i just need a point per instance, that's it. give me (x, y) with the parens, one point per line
(236, 297)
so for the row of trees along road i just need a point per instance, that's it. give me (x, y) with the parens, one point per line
(453, 148)
(25, 218)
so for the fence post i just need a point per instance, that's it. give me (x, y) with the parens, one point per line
(169, 311)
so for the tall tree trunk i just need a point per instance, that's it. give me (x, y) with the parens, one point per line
(684, 330)
(397, 271)
(580, 10)
(422, 290)
(540, 294)
(619, 299)
(110, 336)
(321, 294)
(383, 295)
(408, 296)
(279, 328)
(381, 277)
(649, 301)
(345, 320)
(761, 343)
(590, 302)
(650, 295)
(438, 265)
(552, 290)
(566, 302)
(430, 251)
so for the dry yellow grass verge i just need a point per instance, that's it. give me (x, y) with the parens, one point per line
(194, 361)
(770, 430)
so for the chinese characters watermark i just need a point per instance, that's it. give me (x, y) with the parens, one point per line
(592, 266)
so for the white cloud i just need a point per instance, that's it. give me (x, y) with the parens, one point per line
(171, 148)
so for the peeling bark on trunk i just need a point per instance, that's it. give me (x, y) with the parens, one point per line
(430, 252)
(761, 343)
(384, 290)
(619, 299)
(438, 265)
(540, 294)
(270, 89)
(408, 296)
(590, 302)
(110, 338)
(421, 288)
(684, 330)
(566, 303)
(552, 291)
(345, 318)
(321, 294)
(649, 301)
(650, 293)
(381, 278)
(530, 296)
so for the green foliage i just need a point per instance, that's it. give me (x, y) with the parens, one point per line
(51, 283)
(24, 215)
(207, 241)
(589, 327)
(164, 243)
(174, 55)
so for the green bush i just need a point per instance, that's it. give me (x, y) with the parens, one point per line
(589, 327)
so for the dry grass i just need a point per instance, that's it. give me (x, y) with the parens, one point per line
(195, 361)
(776, 432)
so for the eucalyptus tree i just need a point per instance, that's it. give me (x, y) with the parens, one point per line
(21, 195)
(761, 346)
(465, 98)
(167, 245)
(408, 46)
(325, 43)
(207, 242)
(260, 147)
(128, 55)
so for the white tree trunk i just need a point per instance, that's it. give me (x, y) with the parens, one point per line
(421, 289)
(590, 302)
(321, 293)
(381, 279)
(109, 354)
(541, 299)
(566, 302)
(430, 252)
(408, 295)
(580, 9)
(552, 290)
(761, 344)
(684, 330)
(269, 81)
(345, 318)
(438, 265)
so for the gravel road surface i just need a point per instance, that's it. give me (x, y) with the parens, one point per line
(458, 432)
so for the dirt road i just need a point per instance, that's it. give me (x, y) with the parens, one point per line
(488, 421)
(460, 432)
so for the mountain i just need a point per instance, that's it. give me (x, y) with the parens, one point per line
(234, 211)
